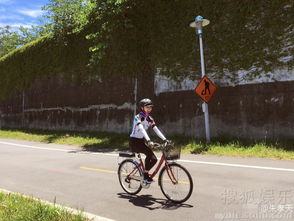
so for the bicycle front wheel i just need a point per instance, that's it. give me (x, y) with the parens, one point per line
(130, 177)
(176, 183)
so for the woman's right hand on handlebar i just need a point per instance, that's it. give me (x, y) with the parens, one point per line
(150, 144)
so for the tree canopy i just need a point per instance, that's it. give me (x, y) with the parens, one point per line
(130, 36)
(11, 39)
(60, 18)
(135, 37)
(68, 16)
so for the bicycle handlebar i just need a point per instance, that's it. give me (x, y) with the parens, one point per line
(163, 146)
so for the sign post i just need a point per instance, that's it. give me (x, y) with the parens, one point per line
(198, 24)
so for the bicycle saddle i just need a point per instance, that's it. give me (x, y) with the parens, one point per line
(127, 154)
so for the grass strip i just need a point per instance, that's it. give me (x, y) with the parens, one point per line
(259, 149)
(15, 207)
(87, 140)
(91, 141)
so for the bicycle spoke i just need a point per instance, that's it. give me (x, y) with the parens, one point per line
(176, 183)
(129, 177)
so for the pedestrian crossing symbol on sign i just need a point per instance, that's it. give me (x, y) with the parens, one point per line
(205, 89)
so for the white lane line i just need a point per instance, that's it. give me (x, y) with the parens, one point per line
(237, 165)
(55, 149)
(184, 161)
(90, 216)
(34, 147)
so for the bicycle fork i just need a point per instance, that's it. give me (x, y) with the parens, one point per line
(170, 174)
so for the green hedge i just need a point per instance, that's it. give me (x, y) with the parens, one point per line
(46, 56)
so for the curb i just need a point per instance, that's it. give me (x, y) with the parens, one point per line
(90, 216)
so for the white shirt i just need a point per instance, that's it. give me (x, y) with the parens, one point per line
(141, 123)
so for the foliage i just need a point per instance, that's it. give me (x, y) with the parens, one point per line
(11, 39)
(62, 17)
(243, 35)
(134, 37)
(34, 32)
(44, 57)
(68, 16)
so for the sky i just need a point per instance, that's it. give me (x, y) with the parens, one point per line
(17, 13)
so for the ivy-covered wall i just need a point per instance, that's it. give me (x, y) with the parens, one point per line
(246, 39)
(44, 57)
(49, 83)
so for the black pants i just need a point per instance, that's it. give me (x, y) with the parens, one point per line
(138, 145)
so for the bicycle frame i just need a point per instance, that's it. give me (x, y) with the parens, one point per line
(162, 159)
(170, 179)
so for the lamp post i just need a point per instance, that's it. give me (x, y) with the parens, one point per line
(198, 24)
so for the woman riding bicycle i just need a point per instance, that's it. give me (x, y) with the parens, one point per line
(142, 122)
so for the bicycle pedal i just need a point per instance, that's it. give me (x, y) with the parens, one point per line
(127, 180)
(145, 185)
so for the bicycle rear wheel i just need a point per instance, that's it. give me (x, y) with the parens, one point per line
(130, 176)
(176, 183)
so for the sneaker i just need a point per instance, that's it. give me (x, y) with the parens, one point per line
(147, 178)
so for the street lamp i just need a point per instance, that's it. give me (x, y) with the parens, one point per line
(198, 24)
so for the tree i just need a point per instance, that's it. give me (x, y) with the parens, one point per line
(62, 17)
(134, 36)
(9, 40)
(68, 16)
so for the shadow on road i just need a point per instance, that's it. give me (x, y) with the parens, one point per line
(149, 202)
(94, 148)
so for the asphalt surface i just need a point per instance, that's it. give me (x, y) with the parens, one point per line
(225, 188)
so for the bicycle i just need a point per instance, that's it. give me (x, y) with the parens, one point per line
(174, 180)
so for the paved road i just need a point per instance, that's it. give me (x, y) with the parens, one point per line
(225, 188)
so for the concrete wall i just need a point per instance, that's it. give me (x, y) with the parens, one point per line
(255, 111)
(249, 111)
(55, 104)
